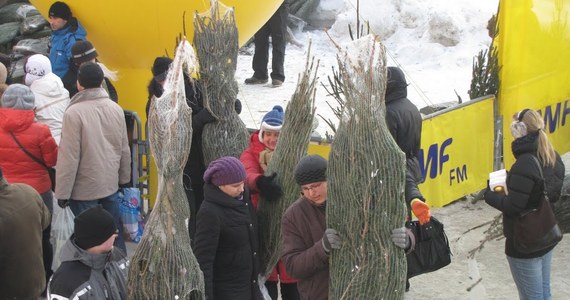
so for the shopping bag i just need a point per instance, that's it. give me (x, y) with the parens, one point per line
(131, 217)
(62, 229)
(432, 250)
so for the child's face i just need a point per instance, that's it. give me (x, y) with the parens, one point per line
(270, 139)
(233, 190)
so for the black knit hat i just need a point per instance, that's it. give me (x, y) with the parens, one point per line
(311, 168)
(160, 68)
(90, 75)
(83, 51)
(60, 10)
(93, 227)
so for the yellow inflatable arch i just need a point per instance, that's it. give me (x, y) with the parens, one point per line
(129, 34)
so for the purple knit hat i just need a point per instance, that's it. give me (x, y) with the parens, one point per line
(225, 170)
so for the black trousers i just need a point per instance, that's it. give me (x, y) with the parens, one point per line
(47, 248)
(276, 27)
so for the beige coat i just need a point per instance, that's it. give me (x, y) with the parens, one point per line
(94, 155)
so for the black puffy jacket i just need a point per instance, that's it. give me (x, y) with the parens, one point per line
(402, 116)
(525, 187)
(404, 121)
(226, 246)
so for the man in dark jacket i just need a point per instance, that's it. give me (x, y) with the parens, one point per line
(405, 124)
(23, 217)
(91, 268)
(307, 242)
(226, 240)
(82, 52)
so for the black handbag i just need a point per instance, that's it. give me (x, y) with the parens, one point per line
(536, 229)
(51, 171)
(432, 250)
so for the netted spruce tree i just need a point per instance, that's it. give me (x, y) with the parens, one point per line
(291, 147)
(365, 182)
(164, 266)
(216, 42)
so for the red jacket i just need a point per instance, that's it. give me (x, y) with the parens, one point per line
(250, 159)
(18, 167)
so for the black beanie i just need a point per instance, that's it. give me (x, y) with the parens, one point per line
(90, 75)
(93, 227)
(83, 51)
(60, 10)
(160, 68)
(311, 168)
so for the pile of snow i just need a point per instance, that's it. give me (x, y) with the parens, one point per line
(433, 41)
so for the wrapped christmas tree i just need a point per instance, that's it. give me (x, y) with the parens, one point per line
(216, 42)
(164, 266)
(365, 182)
(291, 147)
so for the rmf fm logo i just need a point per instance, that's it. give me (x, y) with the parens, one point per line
(436, 158)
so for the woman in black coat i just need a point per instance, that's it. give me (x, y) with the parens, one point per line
(226, 240)
(525, 186)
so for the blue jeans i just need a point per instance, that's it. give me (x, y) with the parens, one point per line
(110, 204)
(532, 276)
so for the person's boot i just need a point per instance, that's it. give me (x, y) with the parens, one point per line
(276, 83)
(255, 80)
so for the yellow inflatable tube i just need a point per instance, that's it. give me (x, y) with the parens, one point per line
(130, 34)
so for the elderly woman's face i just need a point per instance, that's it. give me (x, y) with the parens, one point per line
(233, 190)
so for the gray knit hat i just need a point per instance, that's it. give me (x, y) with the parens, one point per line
(18, 96)
(311, 168)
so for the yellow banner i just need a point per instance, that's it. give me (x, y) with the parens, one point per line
(457, 151)
(534, 53)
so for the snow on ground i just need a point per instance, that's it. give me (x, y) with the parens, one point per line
(433, 41)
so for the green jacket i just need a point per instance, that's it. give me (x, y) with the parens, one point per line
(23, 217)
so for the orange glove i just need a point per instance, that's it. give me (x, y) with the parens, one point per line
(421, 210)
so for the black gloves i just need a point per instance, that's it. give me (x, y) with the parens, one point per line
(203, 117)
(268, 188)
(331, 240)
(237, 106)
(63, 203)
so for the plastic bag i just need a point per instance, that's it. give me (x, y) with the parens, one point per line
(62, 230)
(130, 202)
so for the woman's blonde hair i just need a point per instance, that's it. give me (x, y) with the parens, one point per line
(534, 123)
